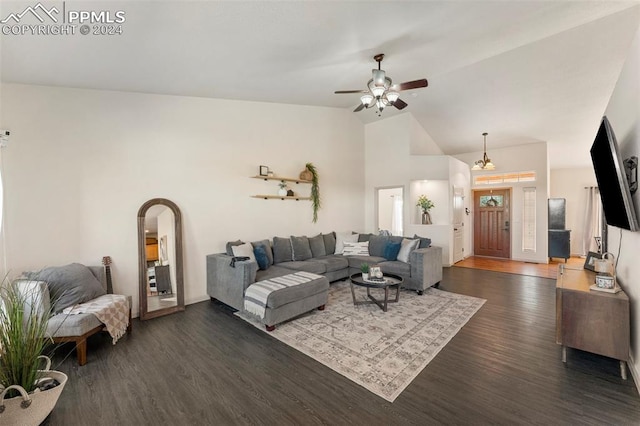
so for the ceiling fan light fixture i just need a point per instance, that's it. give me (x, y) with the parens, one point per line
(381, 90)
(366, 99)
(379, 77)
(392, 96)
(377, 91)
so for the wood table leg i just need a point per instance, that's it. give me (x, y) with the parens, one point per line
(397, 293)
(353, 293)
(81, 351)
(386, 298)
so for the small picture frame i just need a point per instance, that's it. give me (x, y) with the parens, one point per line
(375, 272)
(264, 170)
(590, 261)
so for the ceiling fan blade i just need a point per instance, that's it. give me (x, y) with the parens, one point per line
(416, 84)
(341, 92)
(400, 104)
(359, 108)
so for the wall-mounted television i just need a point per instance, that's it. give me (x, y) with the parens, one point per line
(612, 179)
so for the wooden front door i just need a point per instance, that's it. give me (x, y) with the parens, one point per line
(492, 223)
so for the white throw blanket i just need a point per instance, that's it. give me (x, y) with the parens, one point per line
(257, 294)
(111, 309)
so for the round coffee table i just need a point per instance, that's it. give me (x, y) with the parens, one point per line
(390, 280)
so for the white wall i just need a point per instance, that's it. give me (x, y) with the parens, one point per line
(420, 142)
(623, 113)
(386, 151)
(531, 157)
(570, 184)
(78, 169)
(399, 152)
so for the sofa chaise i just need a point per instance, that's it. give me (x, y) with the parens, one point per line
(329, 255)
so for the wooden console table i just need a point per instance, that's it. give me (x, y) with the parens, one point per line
(590, 320)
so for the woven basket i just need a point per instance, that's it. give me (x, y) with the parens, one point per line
(306, 175)
(31, 409)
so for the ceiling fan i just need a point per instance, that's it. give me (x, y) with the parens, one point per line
(381, 92)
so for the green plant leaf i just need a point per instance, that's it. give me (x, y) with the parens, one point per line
(315, 191)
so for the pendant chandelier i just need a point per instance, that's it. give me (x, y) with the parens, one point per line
(485, 163)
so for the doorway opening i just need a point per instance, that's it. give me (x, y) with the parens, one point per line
(390, 210)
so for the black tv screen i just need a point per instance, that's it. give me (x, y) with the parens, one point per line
(612, 180)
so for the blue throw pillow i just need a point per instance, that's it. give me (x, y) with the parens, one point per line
(391, 250)
(261, 257)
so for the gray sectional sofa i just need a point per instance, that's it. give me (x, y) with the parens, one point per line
(227, 283)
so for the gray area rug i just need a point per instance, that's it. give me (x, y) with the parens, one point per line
(382, 352)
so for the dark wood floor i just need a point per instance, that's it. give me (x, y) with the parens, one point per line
(205, 366)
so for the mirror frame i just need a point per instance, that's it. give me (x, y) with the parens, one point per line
(142, 263)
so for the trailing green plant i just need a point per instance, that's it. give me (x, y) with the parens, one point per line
(283, 185)
(364, 268)
(424, 203)
(23, 329)
(315, 190)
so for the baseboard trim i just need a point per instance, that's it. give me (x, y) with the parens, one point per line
(634, 373)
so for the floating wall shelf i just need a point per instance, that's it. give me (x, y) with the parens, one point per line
(281, 179)
(280, 197)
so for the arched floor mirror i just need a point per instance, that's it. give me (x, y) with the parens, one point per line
(160, 277)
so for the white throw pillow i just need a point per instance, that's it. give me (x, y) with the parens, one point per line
(356, 249)
(406, 247)
(341, 237)
(245, 250)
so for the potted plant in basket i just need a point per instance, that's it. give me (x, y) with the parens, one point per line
(425, 205)
(27, 393)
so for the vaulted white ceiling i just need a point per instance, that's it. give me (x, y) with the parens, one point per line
(524, 71)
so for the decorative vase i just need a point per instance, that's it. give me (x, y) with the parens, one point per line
(282, 192)
(426, 218)
(365, 276)
(33, 408)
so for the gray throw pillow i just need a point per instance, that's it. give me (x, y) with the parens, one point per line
(231, 244)
(267, 249)
(364, 237)
(329, 242)
(282, 250)
(377, 244)
(69, 285)
(424, 242)
(317, 246)
(300, 248)
(395, 239)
